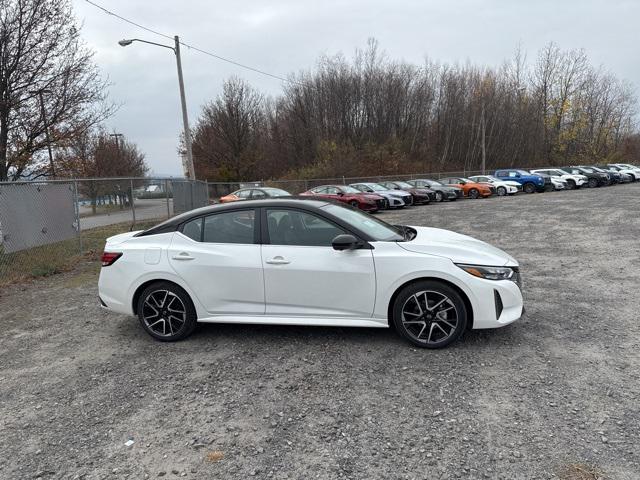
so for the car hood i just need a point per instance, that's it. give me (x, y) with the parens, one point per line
(457, 247)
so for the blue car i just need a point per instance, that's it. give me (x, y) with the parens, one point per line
(530, 181)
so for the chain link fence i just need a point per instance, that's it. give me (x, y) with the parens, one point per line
(46, 225)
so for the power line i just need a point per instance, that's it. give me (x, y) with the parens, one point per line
(193, 47)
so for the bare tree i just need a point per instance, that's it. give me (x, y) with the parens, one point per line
(43, 58)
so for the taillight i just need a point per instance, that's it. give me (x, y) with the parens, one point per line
(108, 258)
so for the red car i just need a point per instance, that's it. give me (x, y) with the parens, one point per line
(364, 201)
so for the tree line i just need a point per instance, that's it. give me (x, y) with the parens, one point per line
(372, 115)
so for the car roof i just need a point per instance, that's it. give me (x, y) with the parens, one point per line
(172, 223)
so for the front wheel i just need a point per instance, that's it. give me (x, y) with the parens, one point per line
(593, 183)
(474, 193)
(429, 314)
(571, 185)
(354, 204)
(529, 188)
(166, 312)
(501, 191)
(439, 197)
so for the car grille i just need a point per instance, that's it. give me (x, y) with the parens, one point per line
(382, 203)
(493, 189)
(459, 193)
(519, 187)
(408, 200)
(547, 180)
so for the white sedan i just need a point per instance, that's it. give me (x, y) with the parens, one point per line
(503, 187)
(307, 262)
(572, 180)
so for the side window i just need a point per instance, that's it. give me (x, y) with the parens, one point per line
(230, 227)
(513, 174)
(193, 229)
(320, 190)
(258, 194)
(333, 191)
(243, 193)
(295, 227)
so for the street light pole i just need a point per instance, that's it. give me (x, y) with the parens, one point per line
(46, 129)
(188, 167)
(117, 136)
(484, 150)
(185, 118)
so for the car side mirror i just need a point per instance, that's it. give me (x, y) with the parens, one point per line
(341, 194)
(345, 242)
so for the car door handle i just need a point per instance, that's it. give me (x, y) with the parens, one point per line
(278, 260)
(183, 256)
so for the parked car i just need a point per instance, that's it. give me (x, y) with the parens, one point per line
(503, 187)
(530, 182)
(614, 175)
(573, 181)
(443, 192)
(395, 198)
(626, 168)
(241, 262)
(470, 188)
(553, 183)
(368, 202)
(254, 194)
(594, 179)
(420, 195)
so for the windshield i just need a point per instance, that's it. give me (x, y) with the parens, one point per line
(376, 229)
(598, 169)
(375, 187)
(584, 169)
(564, 172)
(523, 172)
(276, 192)
(403, 185)
(350, 190)
(433, 183)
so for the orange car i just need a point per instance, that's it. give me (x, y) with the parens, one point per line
(470, 188)
(254, 193)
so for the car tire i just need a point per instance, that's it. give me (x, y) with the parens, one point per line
(529, 188)
(593, 182)
(501, 191)
(474, 193)
(166, 306)
(571, 185)
(424, 328)
(439, 197)
(354, 204)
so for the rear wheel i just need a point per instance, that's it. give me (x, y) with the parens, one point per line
(354, 204)
(529, 188)
(474, 193)
(501, 191)
(593, 183)
(166, 312)
(429, 314)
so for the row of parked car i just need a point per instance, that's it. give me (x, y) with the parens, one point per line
(374, 196)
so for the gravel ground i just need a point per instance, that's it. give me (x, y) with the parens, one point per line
(559, 387)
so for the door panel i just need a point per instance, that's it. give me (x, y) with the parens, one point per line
(318, 281)
(305, 276)
(226, 277)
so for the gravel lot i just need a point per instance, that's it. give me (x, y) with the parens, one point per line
(559, 387)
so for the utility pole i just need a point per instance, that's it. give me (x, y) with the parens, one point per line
(189, 170)
(46, 129)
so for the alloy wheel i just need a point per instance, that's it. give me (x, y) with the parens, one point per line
(429, 317)
(502, 191)
(164, 313)
(439, 197)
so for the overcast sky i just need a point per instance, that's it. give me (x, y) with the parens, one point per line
(287, 36)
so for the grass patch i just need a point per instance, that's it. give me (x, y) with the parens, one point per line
(47, 260)
(581, 471)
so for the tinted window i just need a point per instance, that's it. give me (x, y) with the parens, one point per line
(295, 227)
(243, 193)
(193, 229)
(230, 227)
(333, 190)
(258, 194)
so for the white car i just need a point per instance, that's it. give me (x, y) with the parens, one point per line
(559, 183)
(503, 187)
(572, 180)
(625, 168)
(307, 262)
(396, 198)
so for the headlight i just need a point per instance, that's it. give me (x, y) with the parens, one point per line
(489, 273)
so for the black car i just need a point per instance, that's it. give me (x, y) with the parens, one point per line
(443, 192)
(420, 195)
(594, 178)
(616, 177)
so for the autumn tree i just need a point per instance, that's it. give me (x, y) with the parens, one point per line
(42, 58)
